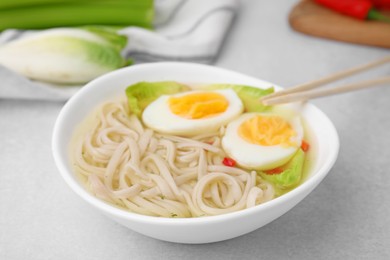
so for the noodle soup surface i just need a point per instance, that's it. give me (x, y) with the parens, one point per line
(190, 153)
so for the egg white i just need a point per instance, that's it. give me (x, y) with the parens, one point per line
(158, 115)
(255, 156)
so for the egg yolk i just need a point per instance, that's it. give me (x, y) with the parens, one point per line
(198, 105)
(267, 131)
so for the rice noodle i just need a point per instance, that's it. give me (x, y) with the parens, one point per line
(154, 174)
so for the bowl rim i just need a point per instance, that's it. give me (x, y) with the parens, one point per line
(77, 187)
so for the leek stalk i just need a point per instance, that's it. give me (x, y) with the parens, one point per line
(4, 4)
(62, 14)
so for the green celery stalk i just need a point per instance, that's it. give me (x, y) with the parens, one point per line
(5, 4)
(124, 12)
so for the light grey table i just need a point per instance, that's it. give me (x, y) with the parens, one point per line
(346, 217)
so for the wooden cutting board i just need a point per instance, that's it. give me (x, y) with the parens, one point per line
(310, 18)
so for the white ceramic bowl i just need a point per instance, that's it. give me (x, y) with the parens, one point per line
(192, 230)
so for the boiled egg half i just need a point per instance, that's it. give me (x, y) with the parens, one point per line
(194, 112)
(262, 141)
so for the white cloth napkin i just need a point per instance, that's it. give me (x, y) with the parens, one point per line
(185, 30)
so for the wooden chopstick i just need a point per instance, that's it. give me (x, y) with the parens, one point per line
(310, 94)
(302, 92)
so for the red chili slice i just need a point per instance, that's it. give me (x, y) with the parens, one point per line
(305, 146)
(274, 171)
(229, 162)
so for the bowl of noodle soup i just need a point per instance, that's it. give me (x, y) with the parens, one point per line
(161, 184)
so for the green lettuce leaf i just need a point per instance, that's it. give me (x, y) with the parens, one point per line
(141, 94)
(292, 172)
(249, 95)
